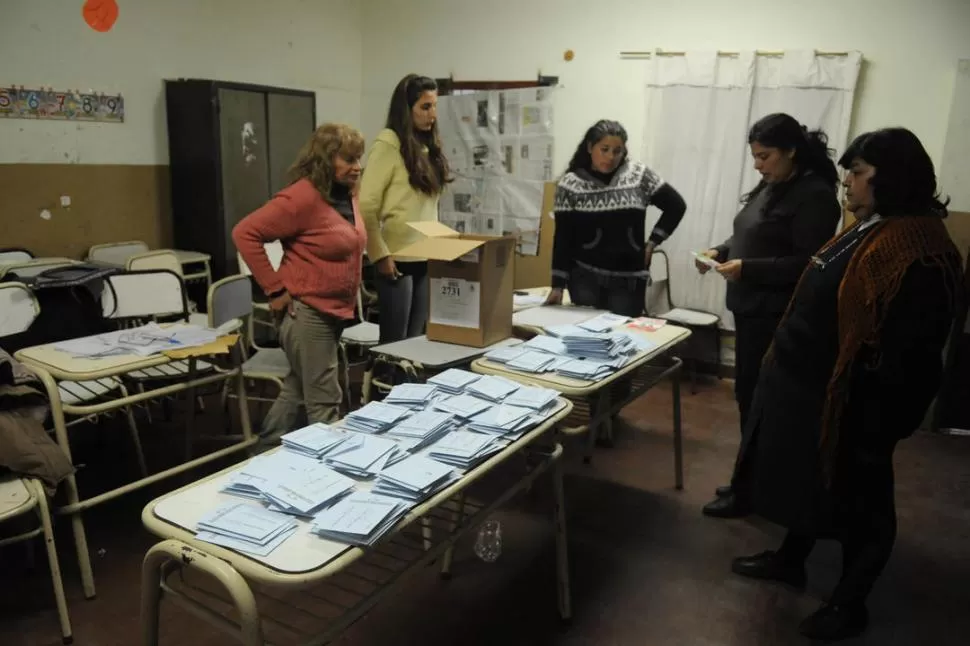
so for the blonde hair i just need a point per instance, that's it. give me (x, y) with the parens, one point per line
(315, 159)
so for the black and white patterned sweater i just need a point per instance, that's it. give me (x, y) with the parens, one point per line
(600, 220)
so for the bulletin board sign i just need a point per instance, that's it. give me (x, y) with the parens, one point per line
(67, 105)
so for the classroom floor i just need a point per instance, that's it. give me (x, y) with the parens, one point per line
(647, 568)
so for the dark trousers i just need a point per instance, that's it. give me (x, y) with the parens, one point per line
(865, 499)
(752, 337)
(403, 302)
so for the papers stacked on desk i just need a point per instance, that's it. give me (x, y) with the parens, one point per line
(375, 417)
(492, 388)
(359, 519)
(414, 479)
(504, 354)
(604, 322)
(251, 478)
(414, 396)
(421, 429)
(365, 456)
(315, 440)
(545, 343)
(534, 361)
(465, 449)
(462, 406)
(245, 527)
(453, 381)
(142, 341)
(503, 420)
(585, 369)
(533, 397)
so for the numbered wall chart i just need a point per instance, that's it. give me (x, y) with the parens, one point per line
(500, 148)
(21, 103)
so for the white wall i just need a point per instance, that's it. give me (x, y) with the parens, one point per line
(911, 49)
(303, 44)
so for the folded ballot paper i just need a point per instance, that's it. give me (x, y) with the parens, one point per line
(245, 527)
(604, 322)
(421, 429)
(503, 420)
(365, 457)
(533, 397)
(414, 479)
(491, 388)
(360, 519)
(315, 440)
(462, 406)
(413, 396)
(249, 480)
(464, 449)
(505, 353)
(453, 381)
(375, 417)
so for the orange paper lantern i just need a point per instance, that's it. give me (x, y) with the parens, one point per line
(100, 15)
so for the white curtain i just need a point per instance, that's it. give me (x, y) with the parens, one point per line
(699, 108)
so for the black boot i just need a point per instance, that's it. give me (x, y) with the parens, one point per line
(720, 492)
(768, 566)
(833, 623)
(729, 506)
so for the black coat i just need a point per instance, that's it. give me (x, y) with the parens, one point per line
(778, 465)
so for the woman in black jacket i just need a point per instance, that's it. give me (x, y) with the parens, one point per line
(786, 218)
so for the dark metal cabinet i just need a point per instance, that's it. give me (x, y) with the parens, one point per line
(230, 146)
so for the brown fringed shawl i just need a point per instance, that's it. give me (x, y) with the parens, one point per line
(871, 281)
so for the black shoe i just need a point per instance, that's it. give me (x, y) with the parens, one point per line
(729, 506)
(720, 492)
(769, 567)
(833, 623)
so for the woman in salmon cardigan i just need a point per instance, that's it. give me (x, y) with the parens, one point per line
(314, 292)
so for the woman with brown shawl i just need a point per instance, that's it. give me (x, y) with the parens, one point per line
(853, 367)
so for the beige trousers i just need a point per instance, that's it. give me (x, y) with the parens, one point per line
(311, 391)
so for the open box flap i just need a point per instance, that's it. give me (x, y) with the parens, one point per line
(440, 248)
(434, 229)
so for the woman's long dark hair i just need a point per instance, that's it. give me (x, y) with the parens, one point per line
(905, 180)
(429, 172)
(812, 153)
(582, 160)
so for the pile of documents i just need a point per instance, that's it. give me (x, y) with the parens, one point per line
(375, 417)
(360, 519)
(586, 369)
(534, 397)
(365, 456)
(462, 406)
(414, 479)
(288, 482)
(604, 322)
(315, 440)
(453, 381)
(526, 358)
(142, 341)
(245, 527)
(421, 429)
(465, 449)
(493, 389)
(413, 396)
(504, 420)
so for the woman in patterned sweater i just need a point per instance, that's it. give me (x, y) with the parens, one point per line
(601, 252)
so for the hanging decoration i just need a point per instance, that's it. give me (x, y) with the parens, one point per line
(100, 15)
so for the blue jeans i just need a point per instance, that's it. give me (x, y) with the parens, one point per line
(403, 302)
(620, 295)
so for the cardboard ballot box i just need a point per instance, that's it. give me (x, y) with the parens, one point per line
(470, 283)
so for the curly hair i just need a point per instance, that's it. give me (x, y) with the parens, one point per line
(315, 159)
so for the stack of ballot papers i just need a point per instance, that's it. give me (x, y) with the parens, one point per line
(604, 322)
(375, 417)
(359, 519)
(491, 388)
(315, 440)
(142, 341)
(533, 397)
(535, 361)
(414, 479)
(453, 381)
(413, 396)
(545, 343)
(465, 449)
(246, 528)
(505, 353)
(421, 429)
(504, 420)
(365, 457)
(462, 406)
(288, 482)
(585, 369)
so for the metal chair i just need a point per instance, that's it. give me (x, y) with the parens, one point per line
(362, 336)
(168, 260)
(19, 496)
(116, 253)
(695, 320)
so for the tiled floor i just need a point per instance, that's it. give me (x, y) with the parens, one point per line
(647, 568)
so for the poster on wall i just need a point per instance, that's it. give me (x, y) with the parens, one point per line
(69, 105)
(500, 148)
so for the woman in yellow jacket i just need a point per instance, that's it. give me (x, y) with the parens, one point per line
(405, 174)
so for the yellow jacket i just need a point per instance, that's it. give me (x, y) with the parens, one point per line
(388, 201)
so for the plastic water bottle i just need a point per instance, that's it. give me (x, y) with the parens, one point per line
(488, 545)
